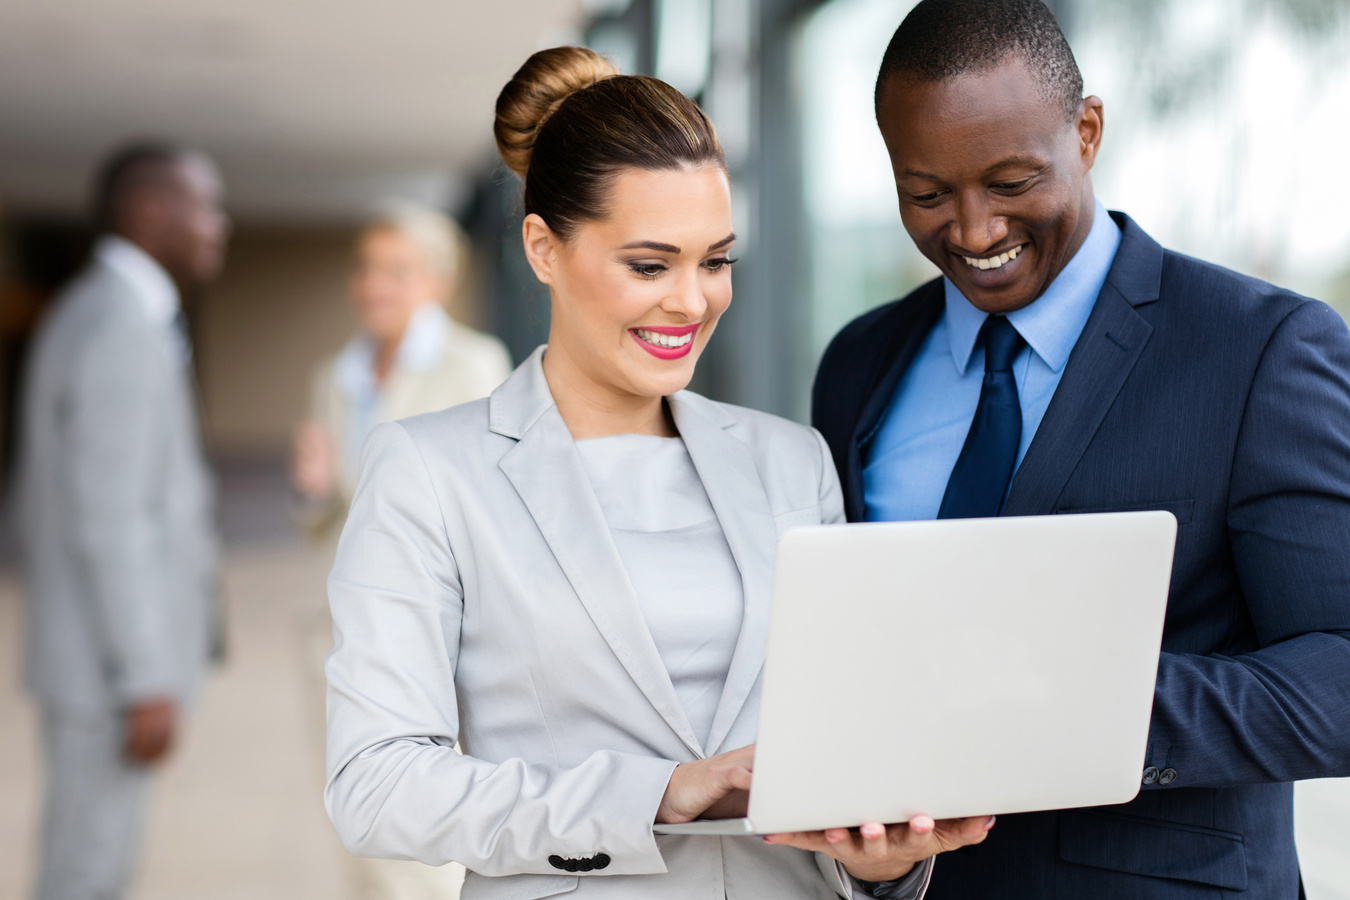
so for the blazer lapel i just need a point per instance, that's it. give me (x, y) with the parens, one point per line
(731, 479)
(547, 473)
(1106, 353)
(907, 337)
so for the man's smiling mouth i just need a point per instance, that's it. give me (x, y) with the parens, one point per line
(994, 262)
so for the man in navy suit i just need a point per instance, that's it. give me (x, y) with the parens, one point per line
(1065, 362)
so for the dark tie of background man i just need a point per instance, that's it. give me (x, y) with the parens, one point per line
(980, 479)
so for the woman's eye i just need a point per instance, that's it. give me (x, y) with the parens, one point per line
(720, 263)
(647, 270)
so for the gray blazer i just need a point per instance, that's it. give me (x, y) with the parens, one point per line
(115, 504)
(478, 597)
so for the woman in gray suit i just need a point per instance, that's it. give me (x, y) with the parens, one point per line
(571, 578)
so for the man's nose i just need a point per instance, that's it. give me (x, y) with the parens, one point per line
(976, 229)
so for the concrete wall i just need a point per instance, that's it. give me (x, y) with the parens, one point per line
(280, 307)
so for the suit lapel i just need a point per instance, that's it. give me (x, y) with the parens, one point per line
(547, 473)
(1106, 353)
(731, 479)
(907, 337)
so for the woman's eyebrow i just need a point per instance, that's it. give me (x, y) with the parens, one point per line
(671, 248)
(651, 245)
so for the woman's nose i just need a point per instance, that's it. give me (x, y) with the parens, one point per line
(687, 298)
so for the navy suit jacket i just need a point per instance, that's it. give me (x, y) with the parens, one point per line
(1225, 401)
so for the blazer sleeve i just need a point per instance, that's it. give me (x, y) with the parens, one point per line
(396, 787)
(113, 418)
(831, 494)
(1279, 713)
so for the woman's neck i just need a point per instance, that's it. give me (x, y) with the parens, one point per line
(386, 353)
(591, 409)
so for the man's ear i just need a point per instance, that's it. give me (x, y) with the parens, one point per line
(541, 247)
(1090, 125)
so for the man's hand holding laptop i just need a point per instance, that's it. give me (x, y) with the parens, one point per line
(718, 788)
(877, 852)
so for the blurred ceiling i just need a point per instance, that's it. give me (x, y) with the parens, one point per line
(314, 108)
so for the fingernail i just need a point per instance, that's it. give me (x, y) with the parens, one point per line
(873, 831)
(992, 820)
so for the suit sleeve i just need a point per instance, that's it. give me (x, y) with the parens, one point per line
(113, 418)
(1279, 713)
(831, 494)
(396, 787)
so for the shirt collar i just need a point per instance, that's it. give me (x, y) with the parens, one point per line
(155, 290)
(1053, 322)
(422, 346)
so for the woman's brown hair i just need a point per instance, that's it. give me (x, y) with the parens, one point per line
(568, 122)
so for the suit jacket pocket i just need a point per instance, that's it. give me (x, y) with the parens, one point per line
(517, 887)
(1182, 509)
(1154, 848)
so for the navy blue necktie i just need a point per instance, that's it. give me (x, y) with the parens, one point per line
(985, 466)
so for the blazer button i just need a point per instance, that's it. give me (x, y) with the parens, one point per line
(585, 865)
(601, 860)
(1150, 775)
(1167, 776)
(557, 862)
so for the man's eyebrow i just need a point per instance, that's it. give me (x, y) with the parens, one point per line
(651, 245)
(915, 173)
(723, 242)
(1030, 162)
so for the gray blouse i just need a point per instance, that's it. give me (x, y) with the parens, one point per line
(663, 526)
(677, 559)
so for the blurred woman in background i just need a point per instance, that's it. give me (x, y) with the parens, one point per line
(409, 357)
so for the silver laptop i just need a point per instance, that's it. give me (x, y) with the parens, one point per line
(957, 668)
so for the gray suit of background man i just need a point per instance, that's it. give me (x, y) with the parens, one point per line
(116, 507)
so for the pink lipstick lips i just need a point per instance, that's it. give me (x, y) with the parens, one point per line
(665, 342)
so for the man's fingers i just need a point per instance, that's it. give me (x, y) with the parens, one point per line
(954, 833)
(876, 842)
(814, 841)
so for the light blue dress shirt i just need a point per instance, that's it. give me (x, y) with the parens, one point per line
(925, 426)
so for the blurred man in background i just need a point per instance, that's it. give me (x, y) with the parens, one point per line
(116, 506)
(409, 357)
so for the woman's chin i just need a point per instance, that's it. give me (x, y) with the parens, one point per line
(674, 379)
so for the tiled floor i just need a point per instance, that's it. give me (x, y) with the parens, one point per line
(237, 814)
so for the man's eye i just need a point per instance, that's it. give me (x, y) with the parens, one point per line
(930, 197)
(1011, 185)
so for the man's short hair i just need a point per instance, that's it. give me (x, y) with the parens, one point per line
(941, 39)
(128, 171)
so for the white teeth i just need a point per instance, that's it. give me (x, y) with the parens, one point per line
(993, 262)
(669, 341)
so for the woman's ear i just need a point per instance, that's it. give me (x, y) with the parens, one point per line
(541, 247)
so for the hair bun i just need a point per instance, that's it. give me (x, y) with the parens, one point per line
(533, 94)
